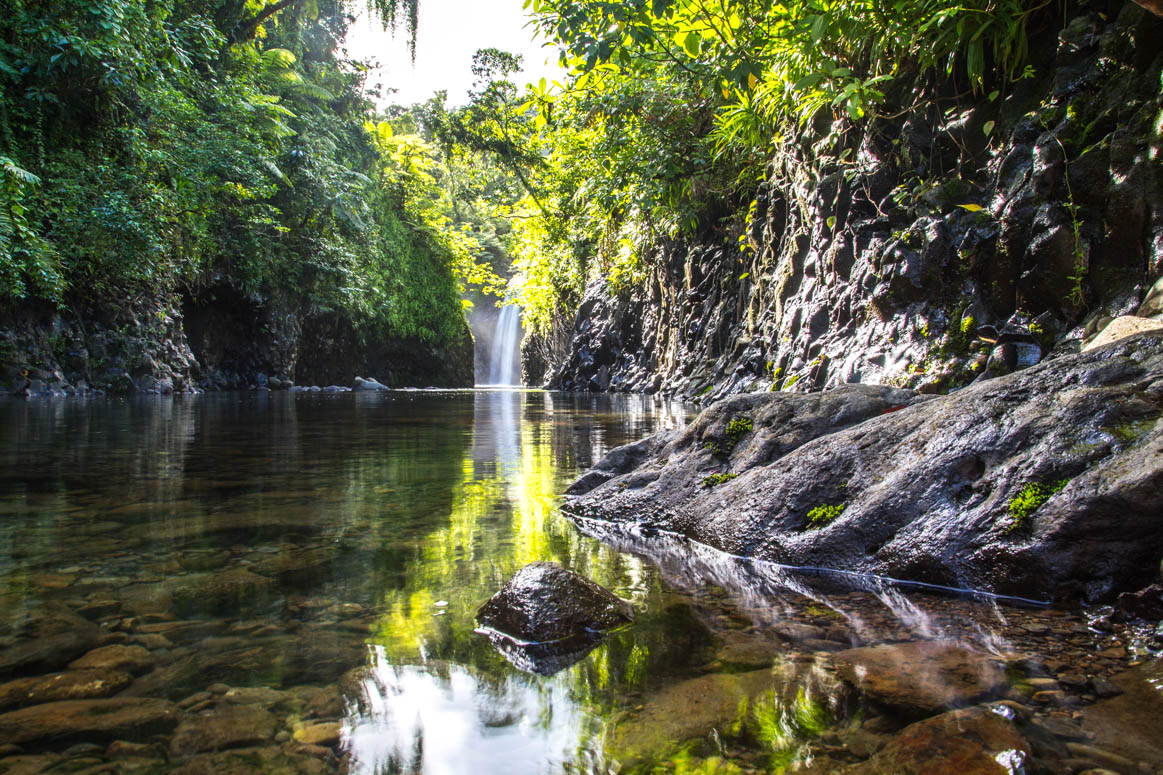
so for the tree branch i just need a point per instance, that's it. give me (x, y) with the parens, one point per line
(245, 30)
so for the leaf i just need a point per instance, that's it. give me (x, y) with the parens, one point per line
(808, 81)
(23, 175)
(278, 173)
(691, 44)
(278, 57)
(831, 221)
(819, 25)
(744, 276)
(987, 128)
(971, 207)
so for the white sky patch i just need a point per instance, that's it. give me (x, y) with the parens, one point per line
(450, 32)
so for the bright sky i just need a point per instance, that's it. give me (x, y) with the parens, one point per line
(450, 32)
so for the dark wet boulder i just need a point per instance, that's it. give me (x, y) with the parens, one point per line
(544, 602)
(1046, 483)
(546, 618)
(1147, 603)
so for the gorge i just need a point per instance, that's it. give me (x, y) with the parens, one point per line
(779, 391)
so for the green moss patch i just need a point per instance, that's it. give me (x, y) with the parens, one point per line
(1028, 500)
(824, 514)
(716, 478)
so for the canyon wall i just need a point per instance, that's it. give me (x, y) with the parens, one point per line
(975, 234)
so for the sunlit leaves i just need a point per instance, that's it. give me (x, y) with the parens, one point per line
(623, 169)
(213, 144)
(27, 262)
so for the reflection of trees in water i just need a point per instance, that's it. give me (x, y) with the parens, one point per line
(347, 476)
(504, 515)
(67, 464)
(131, 446)
(585, 426)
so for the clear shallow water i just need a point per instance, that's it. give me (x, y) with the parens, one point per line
(335, 548)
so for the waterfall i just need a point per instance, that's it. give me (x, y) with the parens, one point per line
(506, 341)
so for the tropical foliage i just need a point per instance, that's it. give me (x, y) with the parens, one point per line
(676, 110)
(181, 144)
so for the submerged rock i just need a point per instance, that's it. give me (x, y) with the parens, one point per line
(921, 678)
(325, 733)
(688, 709)
(1131, 723)
(247, 761)
(130, 659)
(48, 641)
(88, 721)
(795, 701)
(230, 726)
(544, 602)
(974, 741)
(1046, 483)
(71, 685)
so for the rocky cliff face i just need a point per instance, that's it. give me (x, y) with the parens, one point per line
(217, 339)
(878, 259)
(1046, 483)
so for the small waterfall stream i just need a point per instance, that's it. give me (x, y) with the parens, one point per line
(506, 341)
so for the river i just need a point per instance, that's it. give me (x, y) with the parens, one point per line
(298, 575)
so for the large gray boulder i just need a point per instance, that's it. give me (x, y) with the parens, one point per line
(1047, 483)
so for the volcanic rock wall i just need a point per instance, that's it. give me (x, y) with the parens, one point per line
(912, 251)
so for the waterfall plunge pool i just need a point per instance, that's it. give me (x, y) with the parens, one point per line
(298, 575)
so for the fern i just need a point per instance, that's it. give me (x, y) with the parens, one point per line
(6, 232)
(13, 170)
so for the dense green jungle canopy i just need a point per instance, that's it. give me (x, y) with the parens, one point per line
(179, 144)
(175, 145)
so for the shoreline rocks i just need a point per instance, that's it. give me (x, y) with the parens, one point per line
(1044, 484)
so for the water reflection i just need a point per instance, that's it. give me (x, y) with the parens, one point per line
(334, 549)
(526, 448)
(445, 719)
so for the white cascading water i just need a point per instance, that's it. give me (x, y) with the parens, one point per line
(506, 340)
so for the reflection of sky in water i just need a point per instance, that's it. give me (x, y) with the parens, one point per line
(437, 698)
(447, 721)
